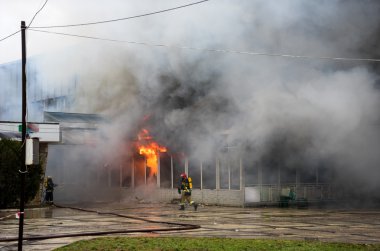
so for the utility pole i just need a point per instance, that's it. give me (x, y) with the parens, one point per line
(22, 167)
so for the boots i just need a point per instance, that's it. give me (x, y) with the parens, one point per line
(182, 207)
(195, 206)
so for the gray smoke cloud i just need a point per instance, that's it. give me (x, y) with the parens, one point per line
(278, 110)
(311, 111)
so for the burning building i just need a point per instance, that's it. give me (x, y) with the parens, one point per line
(139, 166)
(285, 96)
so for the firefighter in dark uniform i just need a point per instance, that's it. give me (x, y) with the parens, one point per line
(184, 189)
(49, 188)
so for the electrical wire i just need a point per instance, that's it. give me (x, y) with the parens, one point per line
(251, 53)
(26, 115)
(120, 19)
(37, 13)
(2, 39)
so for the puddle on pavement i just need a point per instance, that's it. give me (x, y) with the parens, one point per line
(36, 213)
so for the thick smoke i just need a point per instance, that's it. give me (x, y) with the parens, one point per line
(278, 111)
(295, 113)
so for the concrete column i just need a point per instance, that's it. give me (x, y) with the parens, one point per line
(241, 175)
(316, 175)
(121, 175)
(217, 174)
(187, 166)
(279, 182)
(242, 182)
(109, 175)
(43, 157)
(98, 176)
(317, 183)
(229, 171)
(171, 170)
(158, 171)
(201, 175)
(133, 172)
(145, 166)
(260, 180)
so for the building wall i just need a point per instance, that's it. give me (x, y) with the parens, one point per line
(43, 92)
(78, 194)
(117, 188)
(43, 161)
(204, 196)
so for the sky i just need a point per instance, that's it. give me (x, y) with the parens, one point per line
(70, 12)
(298, 111)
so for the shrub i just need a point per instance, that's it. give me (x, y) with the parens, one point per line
(10, 163)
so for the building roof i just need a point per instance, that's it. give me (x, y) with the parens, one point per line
(46, 132)
(73, 117)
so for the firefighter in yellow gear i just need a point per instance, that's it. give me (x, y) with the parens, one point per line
(184, 189)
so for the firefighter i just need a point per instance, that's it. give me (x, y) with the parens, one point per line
(184, 189)
(49, 188)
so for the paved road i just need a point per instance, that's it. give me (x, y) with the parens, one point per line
(356, 226)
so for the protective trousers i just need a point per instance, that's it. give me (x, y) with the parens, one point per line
(185, 197)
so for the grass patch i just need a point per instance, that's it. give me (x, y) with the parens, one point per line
(208, 244)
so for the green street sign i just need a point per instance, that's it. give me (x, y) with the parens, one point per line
(28, 130)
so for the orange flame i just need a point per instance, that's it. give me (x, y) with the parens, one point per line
(150, 149)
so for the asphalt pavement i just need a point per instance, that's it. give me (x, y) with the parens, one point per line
(48, 228)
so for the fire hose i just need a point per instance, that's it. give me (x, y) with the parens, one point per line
(8, 216)
(180, 227)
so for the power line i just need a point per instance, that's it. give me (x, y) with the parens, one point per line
(119, 19)
(216, 50)
(2, 39)
(37, 13)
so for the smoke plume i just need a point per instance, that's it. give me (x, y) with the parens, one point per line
(278, 111)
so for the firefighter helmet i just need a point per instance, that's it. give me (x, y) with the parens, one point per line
(183, 175)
